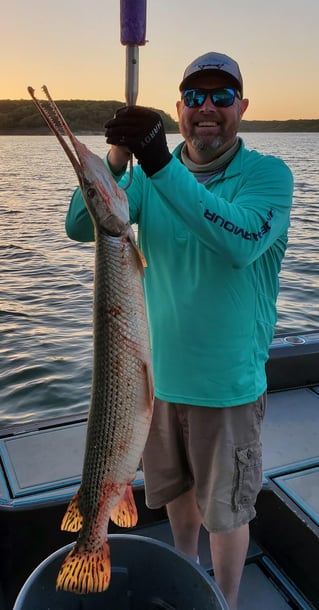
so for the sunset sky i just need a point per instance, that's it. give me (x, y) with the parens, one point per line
(73, 46)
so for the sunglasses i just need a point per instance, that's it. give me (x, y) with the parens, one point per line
(222, 98)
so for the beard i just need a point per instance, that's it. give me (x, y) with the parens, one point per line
(205, 144)
(208, 144)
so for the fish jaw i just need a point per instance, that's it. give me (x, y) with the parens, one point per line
(106, 202)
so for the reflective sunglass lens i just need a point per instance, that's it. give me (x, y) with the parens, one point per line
(194, 98)
(222, 98)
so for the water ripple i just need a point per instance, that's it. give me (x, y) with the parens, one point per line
(46, 280)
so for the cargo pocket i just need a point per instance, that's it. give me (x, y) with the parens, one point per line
(247, 476)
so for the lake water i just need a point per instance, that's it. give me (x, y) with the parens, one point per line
(46, 279)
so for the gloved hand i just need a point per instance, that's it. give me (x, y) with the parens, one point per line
(142, 131)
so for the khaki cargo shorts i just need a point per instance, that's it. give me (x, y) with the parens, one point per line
(215, 450)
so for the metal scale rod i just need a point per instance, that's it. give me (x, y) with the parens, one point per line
(133, 29)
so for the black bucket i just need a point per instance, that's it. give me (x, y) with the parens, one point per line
(146, 575)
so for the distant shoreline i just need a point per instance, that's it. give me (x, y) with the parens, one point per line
(290, 126)
(87, 117)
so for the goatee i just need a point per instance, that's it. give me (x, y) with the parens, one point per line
(204, 145)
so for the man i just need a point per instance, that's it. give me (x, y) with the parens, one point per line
(213, 220)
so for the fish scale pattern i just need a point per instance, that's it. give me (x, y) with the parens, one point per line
(120, 410)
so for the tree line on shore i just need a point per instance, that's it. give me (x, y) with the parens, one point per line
(89, 116)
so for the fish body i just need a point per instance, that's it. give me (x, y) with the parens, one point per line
(122, 387)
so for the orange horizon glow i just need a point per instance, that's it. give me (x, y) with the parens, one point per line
(80, 56)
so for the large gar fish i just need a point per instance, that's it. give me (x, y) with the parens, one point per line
(122, 388)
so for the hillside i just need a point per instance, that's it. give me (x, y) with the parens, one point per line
(89, 116)
(83, 116)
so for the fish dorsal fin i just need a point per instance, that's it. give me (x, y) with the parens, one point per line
(124, 513)
(72, 520)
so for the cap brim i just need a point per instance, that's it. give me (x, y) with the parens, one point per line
(186, 82)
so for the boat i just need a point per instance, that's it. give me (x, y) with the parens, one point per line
(40, 470)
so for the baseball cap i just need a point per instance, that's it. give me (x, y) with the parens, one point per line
(211, 63)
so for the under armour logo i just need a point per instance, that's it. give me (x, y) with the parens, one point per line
(203, 66)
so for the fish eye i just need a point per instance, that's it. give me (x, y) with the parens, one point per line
(91, 192)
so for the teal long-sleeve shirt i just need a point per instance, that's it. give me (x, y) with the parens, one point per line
(214, 253)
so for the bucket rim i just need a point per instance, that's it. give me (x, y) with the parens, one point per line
(113, 537)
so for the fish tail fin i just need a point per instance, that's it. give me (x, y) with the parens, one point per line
(85, 571)
(72, 520)
(124, 513)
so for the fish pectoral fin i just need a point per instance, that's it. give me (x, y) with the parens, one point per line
(124, 514)
(84, 571)
(150, 388)
(72, 520)
(140, 258)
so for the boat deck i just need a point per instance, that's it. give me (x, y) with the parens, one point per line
(291, 463)
(258, 587)
(283, 555)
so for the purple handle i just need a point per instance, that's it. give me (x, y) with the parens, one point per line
(133, 22)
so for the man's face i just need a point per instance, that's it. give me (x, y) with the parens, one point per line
(209, 130)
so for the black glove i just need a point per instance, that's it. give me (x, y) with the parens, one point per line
(142, 131)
